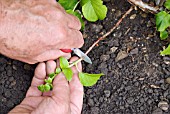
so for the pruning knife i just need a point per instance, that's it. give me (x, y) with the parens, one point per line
(79, 53)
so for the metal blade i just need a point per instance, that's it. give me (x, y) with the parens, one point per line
(82, 55)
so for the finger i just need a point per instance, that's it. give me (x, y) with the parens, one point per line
(38, 79)
(76, 38)
(50, 68)
(51, 55)
(70, 38)
(61, 90)
(76, 90)
(73, 22)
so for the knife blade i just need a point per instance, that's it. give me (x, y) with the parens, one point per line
(79, 53)
(82, 55)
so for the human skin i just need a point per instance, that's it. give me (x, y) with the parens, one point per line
(35, 30)
(65, 98)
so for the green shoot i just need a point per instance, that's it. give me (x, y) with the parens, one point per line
(162, 25)
(85, 78)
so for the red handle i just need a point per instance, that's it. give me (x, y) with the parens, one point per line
(66, 50)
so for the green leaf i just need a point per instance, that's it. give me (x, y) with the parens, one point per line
(166, 51)
(93, 10)
(162, 20)
(47, 87)
(51, 75)
(82, 2)
(77, 14)
(68, 73)
(89, 79)
(51, 86)
(41, 88)
(167, 4)
(49, 80)
(63, 62)
(57, 70)
(68, 4)
(163, 35)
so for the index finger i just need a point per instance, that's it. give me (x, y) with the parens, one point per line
(76, 37)
(73, 22)
(38, 79)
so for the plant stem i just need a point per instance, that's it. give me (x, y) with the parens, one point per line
(144, 6)
(54, 76)
(110, 31)
(76, 6)
(75, 63)
(104, 36)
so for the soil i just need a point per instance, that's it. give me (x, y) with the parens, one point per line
(134, 82)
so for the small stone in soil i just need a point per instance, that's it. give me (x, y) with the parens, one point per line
(27, 67)
(134, 51)
(157, 111)
(113, 49)
(130, 100)
(167, 80)
(7, 93)
(133, 16)
(105, 57)
(107, 93)
(121, 55)
(90, 102)
(163, 105)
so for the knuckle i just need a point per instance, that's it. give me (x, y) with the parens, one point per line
(63, 33)
(54, 12)
(74, 23)
(78, 23)
(81, 40)
(59, 14)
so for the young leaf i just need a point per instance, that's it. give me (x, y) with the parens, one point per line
(57, 70)
(167, 4)
(93, 10)
(68, 73)
(51, 75)
(82, 2)
(41, 88)
(47, 87)
(166, 51)
(164, 35)
(63, 62)
(162, 20)
(89, 79)
(68, 4)
(49, 80)
(77, 14)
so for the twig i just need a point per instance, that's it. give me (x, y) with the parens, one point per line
(144, 6)
(111, 30)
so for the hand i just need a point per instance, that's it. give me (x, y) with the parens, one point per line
(34, 30)
(65, 98)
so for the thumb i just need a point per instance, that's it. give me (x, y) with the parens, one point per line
(61, 91)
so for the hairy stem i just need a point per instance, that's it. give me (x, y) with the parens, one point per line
(104, 36)
(75, 63)
(144, 6)
(110, 31)
(76, 6)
